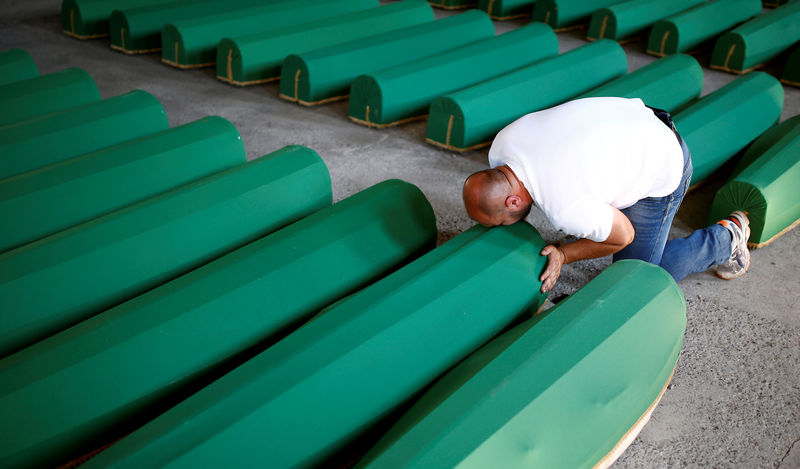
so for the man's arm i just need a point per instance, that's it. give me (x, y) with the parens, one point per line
(621, 235)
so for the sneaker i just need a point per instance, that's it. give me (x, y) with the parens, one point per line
(739, 226)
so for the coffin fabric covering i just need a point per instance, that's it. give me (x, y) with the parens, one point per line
(193, 43)
(16, 65)
(791, 72)
(53, 92)
(325, 74)
(88, 19)
(752, 44)
(722, 123)
(51, 138)
(404, 92)
(686, 31)
(53, 283)
(765, 185)
(668, 83)
(566, 14)
(193, 324)
(453, 4)
(506, 9)
(632, 18)
(257, 58)
(471, 117)
(353, 364)
(43, 202)
(569, 382)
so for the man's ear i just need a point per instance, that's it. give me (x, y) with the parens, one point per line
(514, 202)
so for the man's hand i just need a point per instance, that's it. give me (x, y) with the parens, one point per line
(555, 259)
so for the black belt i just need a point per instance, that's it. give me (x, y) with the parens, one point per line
(664, 117)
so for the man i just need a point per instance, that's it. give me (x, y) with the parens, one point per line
(612, 172)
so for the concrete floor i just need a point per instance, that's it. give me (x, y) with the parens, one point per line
(734, 400)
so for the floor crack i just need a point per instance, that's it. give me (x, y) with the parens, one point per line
(787, 453)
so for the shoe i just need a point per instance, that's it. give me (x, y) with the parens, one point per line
(739, 226)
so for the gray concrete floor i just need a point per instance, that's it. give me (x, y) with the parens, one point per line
(734, 400)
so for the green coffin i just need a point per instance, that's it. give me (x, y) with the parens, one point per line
(567, 14)
(766, 185)
(60, 280)
(506, 9)
(88, 19)
(687, 31)
(760, 39)
(193, 43)
(16, 65)
(53, 198)
(470, 118)
(161, 346)
(669, 83)
(560, 390)
(774, 3)
(257, 58)
(47, 139)
(313, 392)
(45, 94)
(632, 18)
(791, 72)
(719, 125)
(325, 75)
(402, 93)
(453, 4)
(138, 30)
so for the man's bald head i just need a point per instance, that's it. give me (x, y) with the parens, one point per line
(491, 198)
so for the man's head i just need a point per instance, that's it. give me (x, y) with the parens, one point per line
(496, 197)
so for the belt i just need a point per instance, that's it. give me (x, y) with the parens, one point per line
(664, 117)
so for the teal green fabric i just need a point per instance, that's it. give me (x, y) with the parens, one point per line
(766, 184)
(473, 116)
(327, 73)
(686, 31)
(308, 395)
(633, 17)
(569, 382)
(159, 347)
(40, 203)
(86, 19)
(53, 92)
(193, 42)
(791, 72)
(760, 39)
(405, 91)
(722, 123)
(44, 140)
(258, 57)
(506, 9)
(563, 14)
(16, 65)
(63, 279)
(669, 83)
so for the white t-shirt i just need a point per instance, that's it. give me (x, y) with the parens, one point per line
(579, 159)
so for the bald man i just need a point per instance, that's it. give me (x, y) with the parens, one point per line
(612, 172)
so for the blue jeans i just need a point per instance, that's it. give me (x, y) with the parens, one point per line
(651, 219)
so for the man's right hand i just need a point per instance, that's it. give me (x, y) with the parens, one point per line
(555, 259)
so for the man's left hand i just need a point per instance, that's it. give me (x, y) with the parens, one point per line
(555, 259)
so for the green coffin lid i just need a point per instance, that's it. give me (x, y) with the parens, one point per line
(453, 4)
(88, 19)
(669, 83)
(774, 3)
(766, 185)
(324, 75)
(313, 392)
(506, 9)
(470, 118)
(47, 139)
(566, 14)
(45, 94)
(560, 390)
(791, 73)
(760, 39)
(193, 43)
(257, 58)
(138, 30)
(632, 18)
(53, 283)
(719, 125)
(165, 344)
(686, 31)
(16, 65)
(53, 198)
(398, 94)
